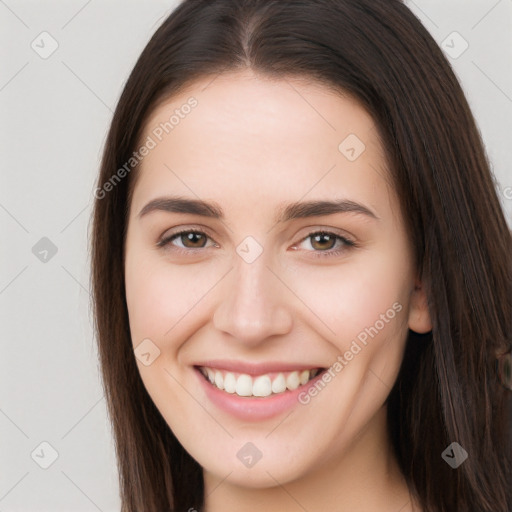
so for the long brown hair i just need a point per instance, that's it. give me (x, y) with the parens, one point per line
(447, 390)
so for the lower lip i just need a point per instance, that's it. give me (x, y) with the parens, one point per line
(257, 408)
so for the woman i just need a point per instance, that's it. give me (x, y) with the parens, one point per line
(301, 270)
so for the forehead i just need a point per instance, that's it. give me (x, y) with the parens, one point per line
(240, 135)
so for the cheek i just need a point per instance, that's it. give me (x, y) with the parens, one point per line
(156, 298)
(148, 298)
(162, 298)
(351, 297)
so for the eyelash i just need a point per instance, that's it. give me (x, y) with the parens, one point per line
(348, 244)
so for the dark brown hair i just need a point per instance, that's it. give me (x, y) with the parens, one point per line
(379, 53)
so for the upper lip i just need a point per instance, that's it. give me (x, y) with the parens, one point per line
(253, 368)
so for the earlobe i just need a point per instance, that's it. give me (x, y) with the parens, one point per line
(419, 313)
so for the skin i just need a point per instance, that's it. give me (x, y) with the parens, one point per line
(250, 146)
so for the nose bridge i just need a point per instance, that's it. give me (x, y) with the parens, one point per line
(253, 303)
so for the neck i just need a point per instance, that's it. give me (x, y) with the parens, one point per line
(364, 477)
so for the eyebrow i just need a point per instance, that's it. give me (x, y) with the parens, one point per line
(285, 213)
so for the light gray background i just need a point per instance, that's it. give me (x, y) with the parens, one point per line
(55, 113)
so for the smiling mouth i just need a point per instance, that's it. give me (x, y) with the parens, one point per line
(268, 384)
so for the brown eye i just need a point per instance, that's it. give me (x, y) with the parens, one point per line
(323, 241)
(193, 240)
(187, 239)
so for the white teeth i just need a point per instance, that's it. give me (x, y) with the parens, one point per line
(219, 380)
(261, 386)
(229, 383)
(244, 385)
(279, 384)
(292, 381)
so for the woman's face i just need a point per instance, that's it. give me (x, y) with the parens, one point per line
(291, 285)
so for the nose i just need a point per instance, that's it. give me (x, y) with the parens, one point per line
(253, 304)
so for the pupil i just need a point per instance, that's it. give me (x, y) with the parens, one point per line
(193, 238)
(322, 239)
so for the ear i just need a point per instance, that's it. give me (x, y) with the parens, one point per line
(419, 314)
